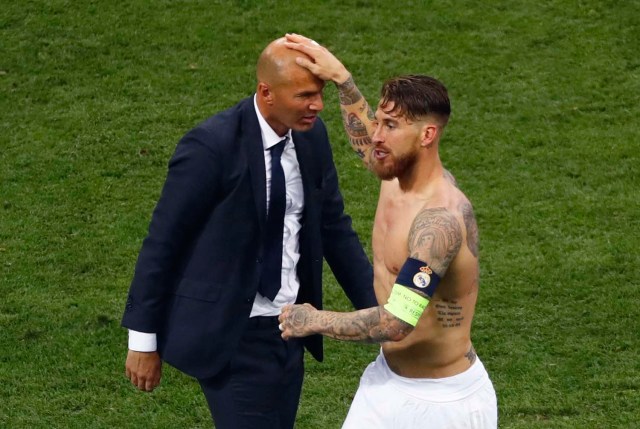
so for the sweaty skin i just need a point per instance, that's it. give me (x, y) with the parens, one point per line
(420, 214)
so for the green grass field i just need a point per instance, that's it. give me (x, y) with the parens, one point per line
(94, 95)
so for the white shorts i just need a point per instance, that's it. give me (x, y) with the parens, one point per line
(385, 400)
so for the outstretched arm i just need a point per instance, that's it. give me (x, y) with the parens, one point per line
(434, 240)
(357, 115)
(372, 325)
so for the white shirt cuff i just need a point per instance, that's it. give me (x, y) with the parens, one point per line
(142, 341)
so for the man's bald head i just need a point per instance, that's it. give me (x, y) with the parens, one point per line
(288, 96)
(277, 62)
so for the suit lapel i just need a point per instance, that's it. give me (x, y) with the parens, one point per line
(251, 140)
(308, 167)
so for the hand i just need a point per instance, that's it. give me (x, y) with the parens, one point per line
(144, 369)
(324, 64)
(295, 320)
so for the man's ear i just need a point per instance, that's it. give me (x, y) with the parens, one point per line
(430, 132)
(264, 93)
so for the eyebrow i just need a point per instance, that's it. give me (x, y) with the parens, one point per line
(385, 120)
(391, 117)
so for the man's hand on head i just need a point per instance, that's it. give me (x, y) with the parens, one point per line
(323, 63)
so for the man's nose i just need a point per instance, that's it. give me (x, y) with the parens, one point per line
(317, 104)
(376, 138)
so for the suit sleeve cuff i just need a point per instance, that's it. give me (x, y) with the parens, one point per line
(142, 341)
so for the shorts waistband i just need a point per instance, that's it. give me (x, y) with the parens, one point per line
(445, 389)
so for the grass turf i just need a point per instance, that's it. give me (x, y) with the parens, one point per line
(543, 139)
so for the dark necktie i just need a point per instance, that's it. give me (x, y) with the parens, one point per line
(270, 280)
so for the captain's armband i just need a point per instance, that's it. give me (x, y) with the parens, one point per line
(403, 302)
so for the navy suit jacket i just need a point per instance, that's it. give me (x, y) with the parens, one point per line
(199, 266)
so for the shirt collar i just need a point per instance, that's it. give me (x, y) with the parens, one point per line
(269, 137)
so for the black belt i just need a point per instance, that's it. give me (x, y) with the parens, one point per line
(258, 322)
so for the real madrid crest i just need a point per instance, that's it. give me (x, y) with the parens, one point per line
(426, 269)
(421, 280)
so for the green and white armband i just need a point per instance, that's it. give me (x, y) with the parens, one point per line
(403, 302)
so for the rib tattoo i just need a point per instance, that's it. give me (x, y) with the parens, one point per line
(471, 355)
(449, 314)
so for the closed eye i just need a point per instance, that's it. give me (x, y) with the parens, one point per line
(390, 124)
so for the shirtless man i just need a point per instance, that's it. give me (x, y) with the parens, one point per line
(425, 254)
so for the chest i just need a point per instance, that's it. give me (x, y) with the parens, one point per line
(390, 241)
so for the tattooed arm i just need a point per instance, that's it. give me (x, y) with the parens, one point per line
(357, 115)
(435, 237)
(372, 325)
(357, 118)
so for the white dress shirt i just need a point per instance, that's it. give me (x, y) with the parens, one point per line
(293, 213)
(146, 342)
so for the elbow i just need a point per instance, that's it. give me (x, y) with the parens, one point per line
(399, 334)
(395, 331)
(392, 328)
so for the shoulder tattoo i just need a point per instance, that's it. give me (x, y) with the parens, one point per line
(449, 177)
(472, 228)
(435, 237)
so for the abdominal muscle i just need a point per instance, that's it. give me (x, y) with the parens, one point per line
(440, 343)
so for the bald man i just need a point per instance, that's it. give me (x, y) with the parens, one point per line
(218, 266)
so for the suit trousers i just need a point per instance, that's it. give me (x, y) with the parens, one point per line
(260, 387)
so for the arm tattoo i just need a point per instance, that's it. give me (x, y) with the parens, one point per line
(356, 328)
(370, 114)
(356, 131)
(372, 325)
(472, 228)
(349, 92)
(435, 237)
(355, 127)
(356, 116)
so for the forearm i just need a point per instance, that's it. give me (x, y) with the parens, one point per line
(357, 117)
(372, 325)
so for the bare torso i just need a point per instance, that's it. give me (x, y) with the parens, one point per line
(440, 345)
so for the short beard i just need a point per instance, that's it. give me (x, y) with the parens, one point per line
(400, 166)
